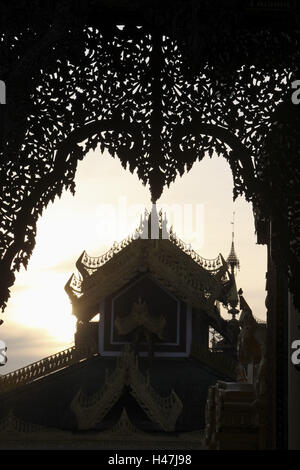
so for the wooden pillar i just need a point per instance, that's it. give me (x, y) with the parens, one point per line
(293, 380)
(277, 348)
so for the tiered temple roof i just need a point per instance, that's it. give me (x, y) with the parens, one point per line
(164, 257)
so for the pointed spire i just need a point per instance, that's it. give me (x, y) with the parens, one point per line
(153, 222)
(232, 259)
(153, 225)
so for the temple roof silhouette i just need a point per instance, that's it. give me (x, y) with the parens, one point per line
(161, 255)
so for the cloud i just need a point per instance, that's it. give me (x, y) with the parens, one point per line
(65, 266)
(27, 345)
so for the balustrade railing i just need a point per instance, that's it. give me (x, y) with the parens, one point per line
(218, 360)
(43, 367)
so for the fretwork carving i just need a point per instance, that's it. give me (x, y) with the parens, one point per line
(90, 410)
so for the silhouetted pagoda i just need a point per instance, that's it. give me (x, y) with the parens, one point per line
(145, 366)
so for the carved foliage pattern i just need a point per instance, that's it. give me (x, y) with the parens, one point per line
(147, 97)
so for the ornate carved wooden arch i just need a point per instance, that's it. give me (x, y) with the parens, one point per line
(239, 153)
(90, 72)
(68, 153)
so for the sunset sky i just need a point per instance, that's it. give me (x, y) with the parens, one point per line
(107, 207)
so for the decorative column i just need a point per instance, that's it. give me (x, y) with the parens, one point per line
(293, 379)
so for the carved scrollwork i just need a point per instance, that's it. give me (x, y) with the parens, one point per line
(76, 81)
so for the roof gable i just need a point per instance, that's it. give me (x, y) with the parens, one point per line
(178, 270)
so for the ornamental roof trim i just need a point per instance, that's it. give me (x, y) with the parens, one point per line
(168, 259)
(157, 230)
